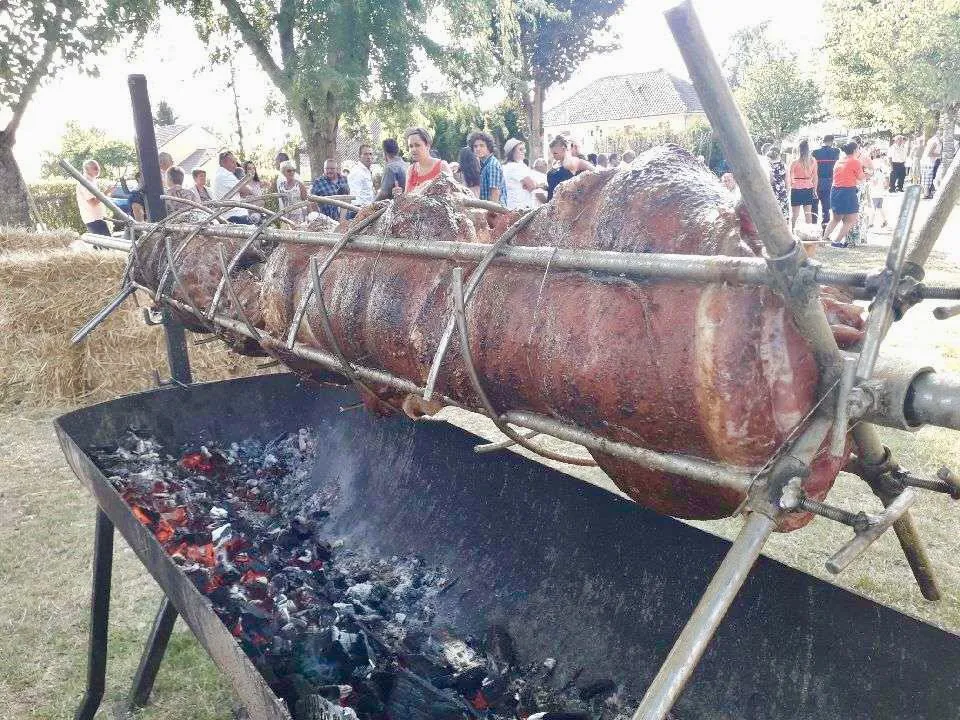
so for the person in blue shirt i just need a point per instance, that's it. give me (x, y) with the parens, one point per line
(493, 186)
(826, 156)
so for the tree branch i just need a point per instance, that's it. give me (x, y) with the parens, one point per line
(257, 43)
(33, 81)
(285, 19)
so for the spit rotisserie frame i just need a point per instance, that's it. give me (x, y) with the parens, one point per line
(844, 380)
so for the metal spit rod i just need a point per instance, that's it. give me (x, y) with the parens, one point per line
(726, 583)
(693, 268)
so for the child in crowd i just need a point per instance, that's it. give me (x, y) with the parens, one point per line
(879, 189)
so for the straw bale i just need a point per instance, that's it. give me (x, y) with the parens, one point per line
(20, 240)
(46, 296)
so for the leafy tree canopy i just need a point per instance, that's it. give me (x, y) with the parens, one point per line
(776, 98)
(164, 115)
(38, 38)
(542, 43)
(328, 58)
(79, 144)
(894, 62)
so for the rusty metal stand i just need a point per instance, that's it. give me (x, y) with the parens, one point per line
(153, 654)
(99, 617)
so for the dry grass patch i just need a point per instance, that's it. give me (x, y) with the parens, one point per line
(20, 240)
(45, 297)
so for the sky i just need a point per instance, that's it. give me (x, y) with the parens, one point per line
(174, 61)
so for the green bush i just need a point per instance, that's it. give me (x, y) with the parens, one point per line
(57, 205)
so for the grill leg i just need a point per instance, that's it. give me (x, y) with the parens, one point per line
(99, 617)
(153, 654)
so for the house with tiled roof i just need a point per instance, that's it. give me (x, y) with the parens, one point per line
(621, 104)
(190, 146)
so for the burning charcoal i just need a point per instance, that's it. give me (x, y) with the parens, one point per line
(596, 689)
(317, 707)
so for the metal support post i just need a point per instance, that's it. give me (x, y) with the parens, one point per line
(786, 256)
(99, 617)
(697, 633)
(153, 654)
(146, 141)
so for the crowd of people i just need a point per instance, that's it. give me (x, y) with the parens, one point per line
(841, 188)
(844, 188)
(506, 179)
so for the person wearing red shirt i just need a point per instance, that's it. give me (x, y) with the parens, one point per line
(847, 172)
(424, 167)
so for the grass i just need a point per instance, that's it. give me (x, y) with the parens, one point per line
(46, 535)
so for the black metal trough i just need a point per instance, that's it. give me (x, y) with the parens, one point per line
(574, 572)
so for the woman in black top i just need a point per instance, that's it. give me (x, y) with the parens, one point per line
(565, 165)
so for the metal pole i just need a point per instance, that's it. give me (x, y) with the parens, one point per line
(700, 628)
(146, 140)
(787, 255)
(934, 399)
(153, 654)
(93, 322)
(721, 476)
(945, 201)
(694, 268)
(99, 617)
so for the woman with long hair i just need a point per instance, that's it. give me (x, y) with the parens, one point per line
(423, 166)
(256, 187)
(469, 170)
(847, 173)
(803, 185)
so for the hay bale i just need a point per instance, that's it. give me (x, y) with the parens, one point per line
(20, 240)
(46, 296)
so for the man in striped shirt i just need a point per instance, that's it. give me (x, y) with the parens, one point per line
(493, 186)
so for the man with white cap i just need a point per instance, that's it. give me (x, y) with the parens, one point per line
(521, 180)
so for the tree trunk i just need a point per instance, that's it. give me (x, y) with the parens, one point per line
(536, 119)
(948, 122)
(14, 195)
(319, 132)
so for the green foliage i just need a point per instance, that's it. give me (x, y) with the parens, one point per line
(164, 115)
(542, 42)
(39, 38)
(697, 138)
(749, 46)
(330, 57)
(57, 205)
(552, 37)
(79, 143)
(893, 62)
(777, 100)
(450, 119)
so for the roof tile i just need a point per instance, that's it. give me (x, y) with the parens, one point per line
(621, 97)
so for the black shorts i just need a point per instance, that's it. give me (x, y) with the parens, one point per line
(801, 197)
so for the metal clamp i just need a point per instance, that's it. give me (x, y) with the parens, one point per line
(863, 539)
